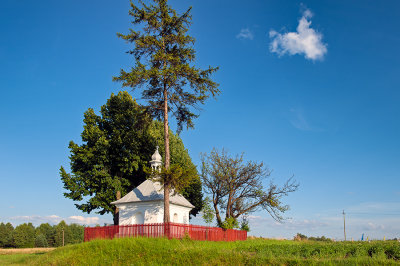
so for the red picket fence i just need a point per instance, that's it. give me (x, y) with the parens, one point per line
(171, 230)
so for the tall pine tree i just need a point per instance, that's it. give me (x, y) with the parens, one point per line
(116, 147)
(164, 71)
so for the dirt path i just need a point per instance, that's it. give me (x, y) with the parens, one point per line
(7, 251)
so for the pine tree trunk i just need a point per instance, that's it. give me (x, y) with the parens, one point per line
(166, 126)
(167, 158)
(116, 212)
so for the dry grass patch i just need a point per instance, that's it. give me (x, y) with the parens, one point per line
(9, 251)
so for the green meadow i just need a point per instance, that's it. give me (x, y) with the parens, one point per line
(146, 251)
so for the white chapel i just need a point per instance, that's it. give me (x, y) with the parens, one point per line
(145, 203)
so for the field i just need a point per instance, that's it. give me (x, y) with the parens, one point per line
(144, 251)
(20, 256)
(8, 251)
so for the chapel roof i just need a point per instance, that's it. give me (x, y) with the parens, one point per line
(152, 191)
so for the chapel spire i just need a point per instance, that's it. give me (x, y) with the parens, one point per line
(156, 160)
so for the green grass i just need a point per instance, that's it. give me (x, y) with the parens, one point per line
(143, 251)
(18, 259)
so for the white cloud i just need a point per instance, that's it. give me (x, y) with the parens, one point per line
(245, 34)
(373, 226)
(299, 121)
(37, 219)
(305, 40)
(55, 219)
(83, 220)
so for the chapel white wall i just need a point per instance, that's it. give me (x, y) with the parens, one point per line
(152, 212)
(181, 212)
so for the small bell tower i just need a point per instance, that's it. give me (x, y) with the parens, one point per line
(156, 160)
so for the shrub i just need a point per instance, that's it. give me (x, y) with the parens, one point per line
(300, 237)
(393, 251)
(376, 251)
(230, 223)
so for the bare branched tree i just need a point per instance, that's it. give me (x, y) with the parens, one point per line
(236, 187)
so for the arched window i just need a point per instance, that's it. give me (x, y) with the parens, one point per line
(175, 220)
(138, 218)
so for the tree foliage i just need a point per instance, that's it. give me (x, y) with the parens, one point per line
(72, 234)
(177, 177)
(24, 236)
(75, 232)
(230, 223)
(180, 157)
(237, 189)
(208, 212)
(116, 146)
(48, 231)
(45, 235)
(164, 55)
(41, 241)
(302, 237)
(108, 161)
(6, 235)
(244, 225)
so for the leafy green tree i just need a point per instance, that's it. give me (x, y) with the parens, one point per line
(208, 212)
(237, 187)
(48, 231)
(322, 238)
(3, 235)
(164, 70)
(116, 146)
(109, 160)
(6, 235)
(41, 241)
(73, 234)
(24, 236)
(76, 232)
(244, 225)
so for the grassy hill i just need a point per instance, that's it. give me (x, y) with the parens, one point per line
(143, 251)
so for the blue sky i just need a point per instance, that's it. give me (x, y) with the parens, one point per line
(311, 88)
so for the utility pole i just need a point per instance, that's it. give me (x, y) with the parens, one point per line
(344, 225)
(63, 236)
